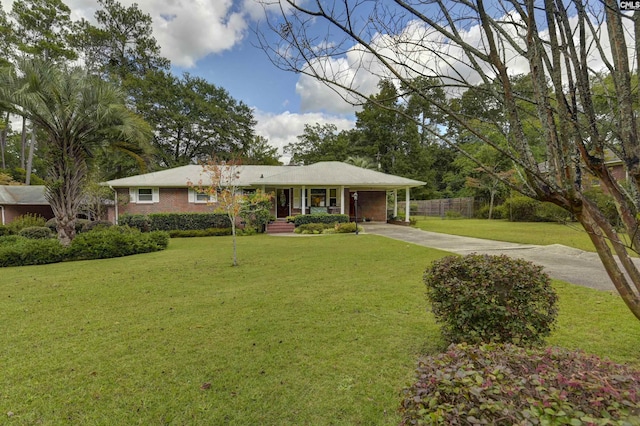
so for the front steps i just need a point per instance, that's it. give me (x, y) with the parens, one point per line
(280, 227)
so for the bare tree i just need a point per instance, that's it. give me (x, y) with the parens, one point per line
(566, 47)
(222, 187)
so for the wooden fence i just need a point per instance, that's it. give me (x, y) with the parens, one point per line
(463, 206)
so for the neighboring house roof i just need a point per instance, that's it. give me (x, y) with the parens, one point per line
(322, 174)
(23, 195)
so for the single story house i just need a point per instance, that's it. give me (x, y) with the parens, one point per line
(18, 200)
(327, 187)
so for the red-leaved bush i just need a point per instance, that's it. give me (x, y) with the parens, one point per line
(504, 384)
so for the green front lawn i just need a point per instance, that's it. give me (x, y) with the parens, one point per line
(540, 233)
(320, 330)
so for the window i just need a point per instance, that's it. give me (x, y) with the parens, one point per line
(333, 197)
(318, 197)
(145, 195)
(202, 197)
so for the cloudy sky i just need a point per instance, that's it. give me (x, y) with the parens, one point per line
(215, 39)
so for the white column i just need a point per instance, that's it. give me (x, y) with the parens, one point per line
(395, 203)
(406, 206)
(342, 200)
(303, 200)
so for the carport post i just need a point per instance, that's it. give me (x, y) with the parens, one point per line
(406, 205)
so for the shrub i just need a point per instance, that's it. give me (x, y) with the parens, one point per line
(605, 203)
(511, 385)
(311, 228)
(96, 224)
(16, 250)
(483, 212)
(187, 221)
(345, 228)
(521, 209)
(175, 221)
(452, 214)
(211, 232)
(116, 241)
(138, 221)
(482, 298)
(5, 230)
(549, 212)
(26, 221)
(36, 233)
(325, 218)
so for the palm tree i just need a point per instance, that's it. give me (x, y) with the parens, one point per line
(79, 113)
(364, 162)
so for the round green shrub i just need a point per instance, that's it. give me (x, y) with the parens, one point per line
(483, 298)
(495, 384)
(311, 228)
(521, 209)
(36, 233)
(90, 226)
(5, 230)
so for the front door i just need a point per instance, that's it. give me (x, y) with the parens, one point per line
(282, 199)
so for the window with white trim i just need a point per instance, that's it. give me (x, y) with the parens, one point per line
(144, 195)
(201, 197)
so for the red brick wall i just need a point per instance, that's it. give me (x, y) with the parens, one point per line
(171, 200)
(12, 212)
(372, 205)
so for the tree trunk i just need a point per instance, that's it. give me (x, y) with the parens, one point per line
(32, 144)
(23, 144)
(3, 141)
(600, 231)
(233, 233)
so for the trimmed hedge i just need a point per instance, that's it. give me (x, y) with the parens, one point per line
(483, 298)
(175, 221)
(16, 250)
(101, 243)
(326, 218)
(104, 243)
(211, 232)
(510, 385)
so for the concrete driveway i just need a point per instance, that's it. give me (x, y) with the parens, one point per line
(560, 262)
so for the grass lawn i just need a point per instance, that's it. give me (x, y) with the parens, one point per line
(306, 331)
(571, 235)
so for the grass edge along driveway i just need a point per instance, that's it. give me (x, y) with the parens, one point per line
(315, 331)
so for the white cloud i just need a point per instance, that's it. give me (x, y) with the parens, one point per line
(282, 129)
(185, 30)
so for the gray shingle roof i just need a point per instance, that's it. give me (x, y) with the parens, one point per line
(21, 194)
(327, 173)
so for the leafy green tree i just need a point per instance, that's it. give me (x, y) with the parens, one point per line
(193, 119)
(320, 142)
(258, 151)
(78, 113)
(121, 45)
(42, 29)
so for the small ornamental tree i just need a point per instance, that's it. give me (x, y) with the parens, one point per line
(482, 298)
(224, 191)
